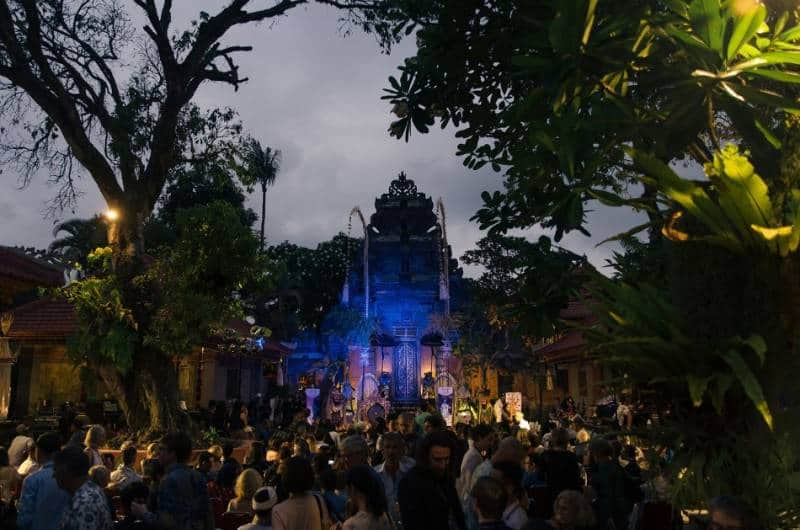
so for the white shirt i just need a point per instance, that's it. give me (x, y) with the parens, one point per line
(472, 459)
(18, 449)
(390, 484)
(123, 476)
(514, 516)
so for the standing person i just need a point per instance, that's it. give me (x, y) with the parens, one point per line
(20, 446)
(29, 465)
(226, 476)
(256, 457)
(394, 467)
(407, 427)
(489, 500)
(78, 429)
(181, 499)
(302, 510)
(482, 439)
(608, 482)
(366, 493)
(558, 467)
(9, 478)
(125, 475)
(42, 502)
(354, 451)
(510, 474)
(263, 502)
(95, 438)
(88, 507)
(427, 494)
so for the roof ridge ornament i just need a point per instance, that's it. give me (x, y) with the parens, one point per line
(403, 188)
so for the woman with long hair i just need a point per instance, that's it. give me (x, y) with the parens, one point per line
(247, 483)
(95, 438)
(365, 490)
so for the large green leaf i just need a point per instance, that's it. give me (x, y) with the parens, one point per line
(749, 383)
(744, 28)
(706, 20)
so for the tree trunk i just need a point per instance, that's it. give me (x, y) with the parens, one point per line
(147, 393)
(263, 213)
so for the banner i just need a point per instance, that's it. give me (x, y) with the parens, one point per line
(513, 403)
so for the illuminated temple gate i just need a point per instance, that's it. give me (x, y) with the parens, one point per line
(407, 260)
(412, 282)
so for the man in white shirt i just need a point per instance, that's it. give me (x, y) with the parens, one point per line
(125, 474)
(20, 447)
(481, 439)
(395, 465)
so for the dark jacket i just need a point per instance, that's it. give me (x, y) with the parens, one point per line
(560, 470)
(611, 504)
(428, 503)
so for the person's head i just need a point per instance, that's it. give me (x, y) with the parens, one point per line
(70, 469)
(137, 492)
(46, 446)
(490, 498)
(393, 448)
(22, 429)
(435, 452)
(482, 437)
(204, 462)
(434, 422)
(300, 448)
(247, 483)
(354, 451)
(100, 475)
(559, 439)
(95, 437)
(328, 479)
(108, 460)
(227, 450)
(405, 423)
(297, 476)
(175, 448)
(583, 436)
(263, 501)
(151, 451)
(509, 450)
(216, 452)
(129, 456)
(364, 484)
(601, 449)
(572, 509)
(152, 471)
(510, 475)
(729, 513)
(256, 454)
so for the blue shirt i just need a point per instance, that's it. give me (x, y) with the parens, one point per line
(42, 502)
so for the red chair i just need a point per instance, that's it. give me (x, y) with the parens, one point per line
(232, 520)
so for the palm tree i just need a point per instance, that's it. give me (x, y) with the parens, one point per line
(262, 165)
(82, 237)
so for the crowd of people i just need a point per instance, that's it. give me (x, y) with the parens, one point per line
(408, 471)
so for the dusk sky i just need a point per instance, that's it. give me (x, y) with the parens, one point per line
(315, 95)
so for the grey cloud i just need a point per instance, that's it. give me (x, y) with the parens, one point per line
(316, 96)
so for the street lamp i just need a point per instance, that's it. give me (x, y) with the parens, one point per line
(112, 214)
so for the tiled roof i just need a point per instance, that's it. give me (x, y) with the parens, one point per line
(570, 341)
(45, 319)
(16, 264)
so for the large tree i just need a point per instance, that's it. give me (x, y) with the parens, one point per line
(598, 100)
(83, 90)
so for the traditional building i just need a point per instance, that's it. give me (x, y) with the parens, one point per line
(36, 376)
(411, 281)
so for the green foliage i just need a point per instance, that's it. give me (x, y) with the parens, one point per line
(311, 279)
(82, 237)
(524, 284)
(737, 211)
(187, 291)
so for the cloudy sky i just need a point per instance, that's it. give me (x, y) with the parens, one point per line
(315, 95)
